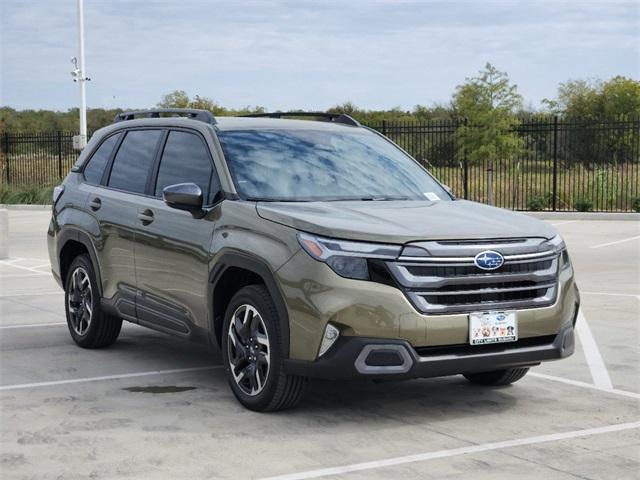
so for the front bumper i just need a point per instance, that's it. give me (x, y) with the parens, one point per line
(348, 357)
(315, 295)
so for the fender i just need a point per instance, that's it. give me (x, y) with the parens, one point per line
(254, 264)
(72, 233)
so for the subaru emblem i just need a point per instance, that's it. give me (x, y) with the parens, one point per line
(488, 260)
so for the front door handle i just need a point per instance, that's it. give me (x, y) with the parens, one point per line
(95, 204)
(146, 217)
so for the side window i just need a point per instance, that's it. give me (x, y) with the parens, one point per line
(185, 159)
(133, 160)
(95, 168)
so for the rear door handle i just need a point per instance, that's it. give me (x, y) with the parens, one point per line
(146, 217)
(95, 204)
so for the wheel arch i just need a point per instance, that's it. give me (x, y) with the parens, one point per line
(71, 243)
(233, 271)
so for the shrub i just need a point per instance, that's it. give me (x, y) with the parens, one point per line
(584, 205)
(28, 194)
(537, 203)
(635, 204)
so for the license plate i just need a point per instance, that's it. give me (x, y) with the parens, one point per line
(492, 327)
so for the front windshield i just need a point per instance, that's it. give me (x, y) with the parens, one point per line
(323, 165)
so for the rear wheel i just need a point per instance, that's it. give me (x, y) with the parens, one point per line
(497, 377)
(252, 352)
(89, 326)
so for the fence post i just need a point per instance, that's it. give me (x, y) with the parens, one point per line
(59, 155)
(465, 163)
(490, 183)
(554, 193)
(6, 155)
(384, 127)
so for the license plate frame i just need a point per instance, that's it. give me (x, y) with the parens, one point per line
(493, 327)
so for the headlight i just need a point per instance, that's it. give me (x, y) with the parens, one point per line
(348, 259)
(559, 246)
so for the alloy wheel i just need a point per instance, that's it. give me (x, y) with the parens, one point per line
(80, 301)
(248, 349)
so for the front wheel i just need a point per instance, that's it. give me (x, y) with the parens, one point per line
(252, 353)
(89, 326)
(497, 377)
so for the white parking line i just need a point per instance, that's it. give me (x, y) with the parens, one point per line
(32, 294)
(612, 294)
(592, 355)
(9, 262)
(616, 242)
(22, 275)
(48, 265)
(421, 457)
(590, 386)
(13, 265)
(32, 325)
(22, 386)
(564, 223)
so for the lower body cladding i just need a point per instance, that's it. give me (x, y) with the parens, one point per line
(352, 357)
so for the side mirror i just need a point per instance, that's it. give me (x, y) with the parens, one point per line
(184, 196)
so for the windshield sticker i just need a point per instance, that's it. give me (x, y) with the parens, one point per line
(431, 196)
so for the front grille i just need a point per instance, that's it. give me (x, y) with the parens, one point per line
(429, 271)
(446, 280)
(488, 297)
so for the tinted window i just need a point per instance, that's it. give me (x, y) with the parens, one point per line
(94, 170)
(133, 160)
(303, 165)
(185, 159)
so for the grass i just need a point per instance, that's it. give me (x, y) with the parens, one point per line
(26, 194)
(605, 188)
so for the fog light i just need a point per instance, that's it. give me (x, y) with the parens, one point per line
(331, 334)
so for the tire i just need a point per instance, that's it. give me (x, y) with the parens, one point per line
(497, 377)
(252, 352)
(89, 325)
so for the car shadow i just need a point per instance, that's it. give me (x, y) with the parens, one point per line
(325, 402)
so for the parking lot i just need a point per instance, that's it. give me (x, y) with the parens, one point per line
(153, 406)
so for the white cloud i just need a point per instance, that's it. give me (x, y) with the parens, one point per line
(307, 54)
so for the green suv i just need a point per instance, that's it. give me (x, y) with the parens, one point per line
(302, 249)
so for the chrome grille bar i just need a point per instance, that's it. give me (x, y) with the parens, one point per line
(441, 283)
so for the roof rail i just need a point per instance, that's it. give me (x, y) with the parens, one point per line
(193, 113)
(331, 117)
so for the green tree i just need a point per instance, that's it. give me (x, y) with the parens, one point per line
(595, 99)
(489, 103)
(175, 99)
(594, 144)
(180, 99)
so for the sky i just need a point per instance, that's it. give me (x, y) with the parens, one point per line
(307, 54)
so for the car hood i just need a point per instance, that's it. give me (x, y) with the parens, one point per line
(404, 221)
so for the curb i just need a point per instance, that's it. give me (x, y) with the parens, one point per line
(583, 215)
(20, 206)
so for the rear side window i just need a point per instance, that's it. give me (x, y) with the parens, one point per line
(95, 168)
(185, 159)
(133, 160)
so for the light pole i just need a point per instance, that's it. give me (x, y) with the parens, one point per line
(80, 141)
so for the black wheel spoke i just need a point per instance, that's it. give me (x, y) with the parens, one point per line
(262, 359)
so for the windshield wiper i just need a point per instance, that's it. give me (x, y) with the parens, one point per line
(372, 198)
(276, 199)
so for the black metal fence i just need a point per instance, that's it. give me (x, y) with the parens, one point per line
(41, 158)
(565, 164)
